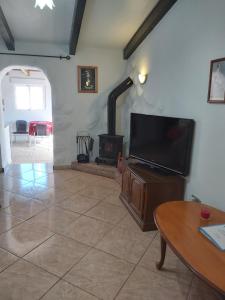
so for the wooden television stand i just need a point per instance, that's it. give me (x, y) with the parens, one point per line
(144, 189)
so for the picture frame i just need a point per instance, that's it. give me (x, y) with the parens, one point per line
(87, 79)
(216, 91)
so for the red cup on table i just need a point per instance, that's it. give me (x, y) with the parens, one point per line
(205, 213)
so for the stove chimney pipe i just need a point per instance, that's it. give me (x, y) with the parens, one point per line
(121, 88)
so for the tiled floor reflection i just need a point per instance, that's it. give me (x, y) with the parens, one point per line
(66, 235)
(23, 152)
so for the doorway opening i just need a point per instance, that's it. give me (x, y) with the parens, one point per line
(26, 113)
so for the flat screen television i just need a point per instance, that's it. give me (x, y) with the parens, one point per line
(162, 142)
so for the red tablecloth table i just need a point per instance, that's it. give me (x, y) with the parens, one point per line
(33, 124)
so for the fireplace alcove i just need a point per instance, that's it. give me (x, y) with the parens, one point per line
(110, 144)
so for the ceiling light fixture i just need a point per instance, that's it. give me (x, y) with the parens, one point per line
(42, 3)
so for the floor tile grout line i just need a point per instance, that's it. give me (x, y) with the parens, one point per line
(88, 197)
(10, 252)
(31, 197)
(77, 212)
(29, 200)
(112, 224)
(82, 289)
(103, 201)
(69, 238)
(98, 219)
(190, 287)
(53, 234)
(22, 220)
(52, 207)
(69, 225)
(157, 271)
(63, 276)
(73, 193)
(113, 255)
(15, 175)
(46, 292)
(21, 257)
(83, 256)
(39, 267)
(47, 187)
(60, 189)
(135, 266)
(65, 236)
(44, 209)
(162, 274)
(14, 226)
(42, 200)
(18, 258)
(91, 217)
(5, 176)
(21, 178)
(92, 246)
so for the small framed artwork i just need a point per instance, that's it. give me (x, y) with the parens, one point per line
(216, 93)
(87, 79)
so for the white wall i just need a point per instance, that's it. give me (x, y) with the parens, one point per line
(72, 111)
(177, 57)
(6, 150)
(11, 114)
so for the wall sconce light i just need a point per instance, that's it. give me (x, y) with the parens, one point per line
(142, 78)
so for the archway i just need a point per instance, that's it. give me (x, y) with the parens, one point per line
(32, 84)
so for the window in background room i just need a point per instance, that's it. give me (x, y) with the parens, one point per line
(29, 97)
(22, 97)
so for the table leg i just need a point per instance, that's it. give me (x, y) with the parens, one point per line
(163, 254)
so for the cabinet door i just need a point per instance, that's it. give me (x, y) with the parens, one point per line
(126, 184)
(137, 195)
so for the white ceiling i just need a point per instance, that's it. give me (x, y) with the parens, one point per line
(111, 23)
(31, 24)
(106, 23)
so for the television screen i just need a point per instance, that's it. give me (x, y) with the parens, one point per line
(164, 142)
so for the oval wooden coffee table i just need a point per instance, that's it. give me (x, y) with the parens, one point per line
(178, 223)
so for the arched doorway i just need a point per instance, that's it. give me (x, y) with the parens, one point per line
(25, 94)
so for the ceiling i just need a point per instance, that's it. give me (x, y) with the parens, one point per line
(106, 23)
(111, 23)
(29, 24)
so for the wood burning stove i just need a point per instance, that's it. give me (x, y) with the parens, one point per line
(110, 145)
(109, 148)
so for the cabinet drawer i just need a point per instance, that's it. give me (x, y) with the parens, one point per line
(126, 184)
(143, 190)
(137, 195)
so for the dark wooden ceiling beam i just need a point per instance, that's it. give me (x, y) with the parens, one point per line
(5, 32)
(76, 25)
(155, 16)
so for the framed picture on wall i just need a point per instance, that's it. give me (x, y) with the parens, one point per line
(216, 93)
(87, 79)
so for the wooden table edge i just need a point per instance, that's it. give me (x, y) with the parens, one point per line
(188, 265)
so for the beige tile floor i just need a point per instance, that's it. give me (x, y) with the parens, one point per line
(66, 235)
(24, 152)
